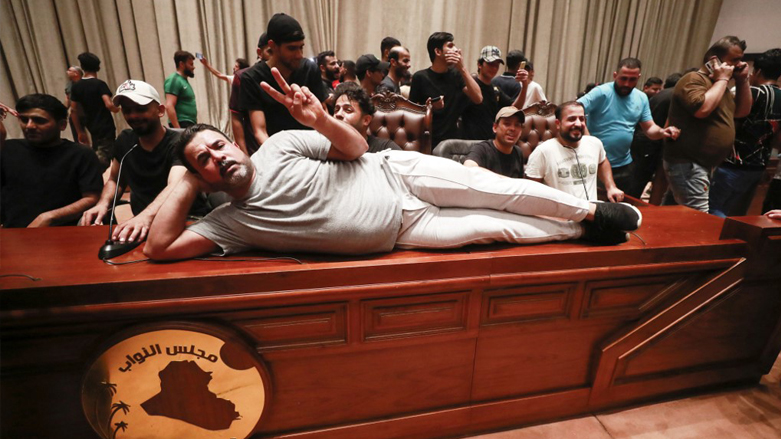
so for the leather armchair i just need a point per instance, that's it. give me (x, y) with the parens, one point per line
(539, 126)
(405, 122)
(454, 149)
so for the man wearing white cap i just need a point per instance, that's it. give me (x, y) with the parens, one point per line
(149, 171)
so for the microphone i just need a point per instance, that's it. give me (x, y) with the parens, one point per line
(112, 249)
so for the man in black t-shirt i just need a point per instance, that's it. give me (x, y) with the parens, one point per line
(91, 101)
(151, 170)
(477, 120)
(501, 155)
(353, 107)
(286, 43)
(448, 82)
(45, 180)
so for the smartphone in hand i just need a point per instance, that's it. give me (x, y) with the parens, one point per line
(199, 55)
(712, 64)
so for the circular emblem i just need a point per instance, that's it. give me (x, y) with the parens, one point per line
(175, 380)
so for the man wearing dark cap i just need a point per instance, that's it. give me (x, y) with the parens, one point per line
(370, 72)
(477, 120)
(501, 154)
(286, 44)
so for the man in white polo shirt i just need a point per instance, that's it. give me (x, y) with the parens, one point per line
(571, 162)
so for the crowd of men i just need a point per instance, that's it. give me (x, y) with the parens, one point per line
(317, 181)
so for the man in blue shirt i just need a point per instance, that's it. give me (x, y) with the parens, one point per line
(612, 111)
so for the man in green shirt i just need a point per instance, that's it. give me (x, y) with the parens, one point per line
(179, 95)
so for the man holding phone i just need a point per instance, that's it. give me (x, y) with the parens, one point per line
(705, 110)
(447, 85)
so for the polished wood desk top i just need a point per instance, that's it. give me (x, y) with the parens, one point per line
(66, 257)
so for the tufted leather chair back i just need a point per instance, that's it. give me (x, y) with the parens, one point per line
(454, 149)
(539, 126)
(406, 123)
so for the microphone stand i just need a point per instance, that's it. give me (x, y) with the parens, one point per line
(112, 249)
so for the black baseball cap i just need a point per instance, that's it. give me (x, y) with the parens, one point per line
(283, 28)
(369, 62)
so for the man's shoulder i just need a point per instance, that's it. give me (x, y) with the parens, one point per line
(551, 144)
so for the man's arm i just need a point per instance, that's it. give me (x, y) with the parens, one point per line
(136, 228)
(65, 213)
(77, 112)
(238, 131)
(471, 89)
(214, 71)
(168, 239)
(522, 77)
(743, 98)
(605, 174)
(110, 105)
(94, 216)
(721, 76)
(257, 120)
(170, 109)
(655, 132)
(346, 143)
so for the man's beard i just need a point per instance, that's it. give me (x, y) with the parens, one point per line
(143, 128)
(189, 73)
(568, 136)
(622, 91)
(236, 178)
(330, 75)
(290, 65)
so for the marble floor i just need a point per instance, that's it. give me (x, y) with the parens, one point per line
(746, 413)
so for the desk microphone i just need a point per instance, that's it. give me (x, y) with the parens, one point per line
(112, 249)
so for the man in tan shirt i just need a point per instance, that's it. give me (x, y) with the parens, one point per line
(704, 110)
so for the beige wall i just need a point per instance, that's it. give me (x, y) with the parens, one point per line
(756, 21)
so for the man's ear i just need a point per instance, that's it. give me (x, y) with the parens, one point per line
(63, 125)
(366, 121)
(615, 75)
(161, 110)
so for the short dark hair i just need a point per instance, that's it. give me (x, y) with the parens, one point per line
(629, 63)
(514, 59)
(671, 80)
(355, 92)
(436, 41)
(561, 107)
(770, 63)
(349, 67)
(322, 55)
(721, 47)
(529, 66)
(182, 56)
(263, 40)
(388, 43)
(47, 103)
(653, 80)
(242, 62)
(89, 61)
(186, 137)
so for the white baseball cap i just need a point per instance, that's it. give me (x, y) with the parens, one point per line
(137, 91)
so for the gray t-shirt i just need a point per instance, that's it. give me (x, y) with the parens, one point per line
(300, 202)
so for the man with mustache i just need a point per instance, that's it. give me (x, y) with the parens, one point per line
(179, 95)
(286, 44)
(613, 109)
(319, 192)
(149, 170)
(572, 161)
(399, 59)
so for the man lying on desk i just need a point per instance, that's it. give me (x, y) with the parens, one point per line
(316, 191)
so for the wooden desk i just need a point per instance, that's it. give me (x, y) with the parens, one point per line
(411, 344)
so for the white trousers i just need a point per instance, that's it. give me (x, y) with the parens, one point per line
(448, 205)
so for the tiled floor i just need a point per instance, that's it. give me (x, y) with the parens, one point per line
(749, 413)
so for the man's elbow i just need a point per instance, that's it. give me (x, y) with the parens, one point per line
(477, 99)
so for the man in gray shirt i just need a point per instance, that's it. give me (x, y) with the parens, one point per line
(308, 191)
